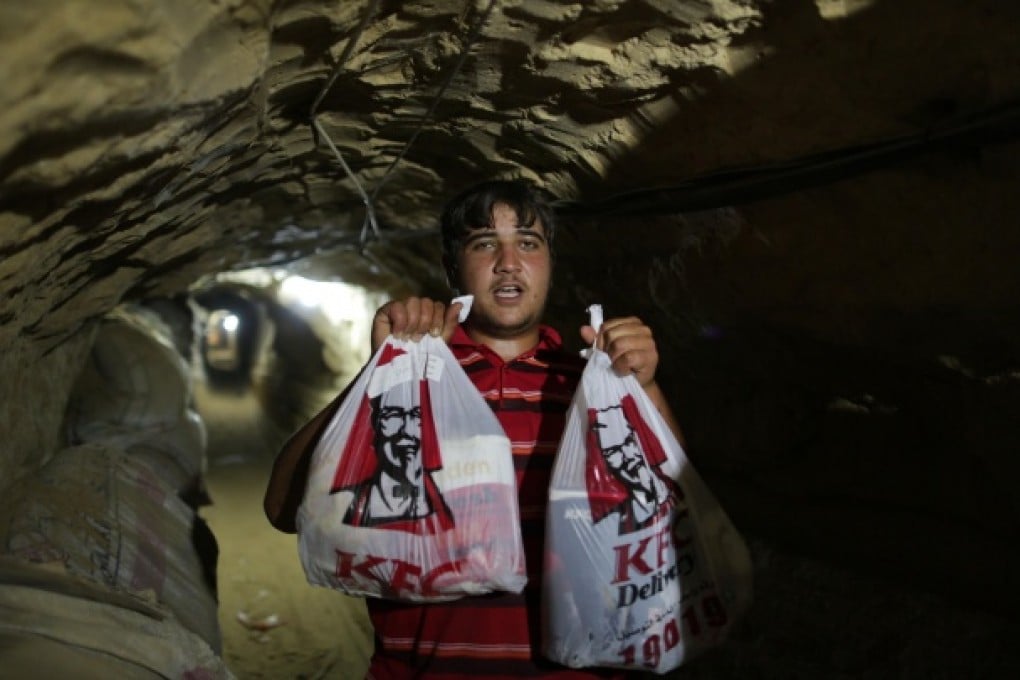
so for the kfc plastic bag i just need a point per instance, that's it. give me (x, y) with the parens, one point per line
(643, 569)
(412, 493)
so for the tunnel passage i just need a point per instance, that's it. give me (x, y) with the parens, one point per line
(230, 337)
(810, 201)
(310, 347)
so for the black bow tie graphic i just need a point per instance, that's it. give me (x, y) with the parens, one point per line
(405, 490)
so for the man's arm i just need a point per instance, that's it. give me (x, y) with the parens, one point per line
(290, 469)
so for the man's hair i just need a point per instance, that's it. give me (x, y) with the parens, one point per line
(472, 209)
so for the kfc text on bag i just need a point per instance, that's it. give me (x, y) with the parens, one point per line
(411, 493)
(643, 569)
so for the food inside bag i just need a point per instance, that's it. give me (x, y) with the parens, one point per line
(411, 493)
(643, 569)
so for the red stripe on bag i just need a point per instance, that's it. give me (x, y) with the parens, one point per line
(354, 465)
(432, 459)
(604, 491)
(650, 444)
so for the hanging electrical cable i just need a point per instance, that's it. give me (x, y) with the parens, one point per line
(738, 186)
(370, 226)
(728, 187)
(344, 56)
(469, 41)
(320, 131)
(743, 185)
(369, 208)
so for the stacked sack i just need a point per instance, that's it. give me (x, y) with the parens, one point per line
(101, 552)
(135, 393)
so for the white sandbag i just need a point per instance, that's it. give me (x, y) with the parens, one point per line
(176, 450)
(134, 377)
(412, 493)
(30, 655)
(100, 640)
(109, 518)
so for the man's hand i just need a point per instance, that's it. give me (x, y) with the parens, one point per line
(412, 318)
(630, 346)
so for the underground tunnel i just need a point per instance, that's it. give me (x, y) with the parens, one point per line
(812, 203)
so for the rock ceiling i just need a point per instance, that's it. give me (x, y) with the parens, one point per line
(813, 202)
(145, 144)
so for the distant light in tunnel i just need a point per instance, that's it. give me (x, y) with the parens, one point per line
(230, 322)
(301, 290)
(340, 314)
(336, 300)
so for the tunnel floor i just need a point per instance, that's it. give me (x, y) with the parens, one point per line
(274, 624)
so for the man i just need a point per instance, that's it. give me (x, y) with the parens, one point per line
(497, 246)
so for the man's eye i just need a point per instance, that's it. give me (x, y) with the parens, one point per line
(530, 244)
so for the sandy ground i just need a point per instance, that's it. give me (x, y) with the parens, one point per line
(321, 633)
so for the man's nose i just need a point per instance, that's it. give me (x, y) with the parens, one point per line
(507, 260)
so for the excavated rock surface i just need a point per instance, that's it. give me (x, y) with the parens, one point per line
(841, 346)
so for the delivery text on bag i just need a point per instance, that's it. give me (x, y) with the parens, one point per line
(645, 569)
(657, 584)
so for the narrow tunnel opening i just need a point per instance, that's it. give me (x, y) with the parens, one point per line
(271, 349)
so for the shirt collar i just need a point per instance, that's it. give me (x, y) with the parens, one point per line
(548, 339)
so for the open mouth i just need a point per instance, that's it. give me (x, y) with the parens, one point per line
(508, 291)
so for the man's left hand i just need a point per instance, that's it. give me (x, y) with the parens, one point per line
(630, 346)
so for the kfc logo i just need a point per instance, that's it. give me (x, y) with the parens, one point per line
(622, 469)
(392, 452)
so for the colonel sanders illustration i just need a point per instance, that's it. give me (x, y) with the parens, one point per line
(623, 472)
(392, 452)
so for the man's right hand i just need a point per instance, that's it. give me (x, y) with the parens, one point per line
(412, 318)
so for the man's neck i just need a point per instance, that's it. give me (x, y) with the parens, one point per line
(507, 348)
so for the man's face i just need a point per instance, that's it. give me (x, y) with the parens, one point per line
(507, 268)
(400, 436)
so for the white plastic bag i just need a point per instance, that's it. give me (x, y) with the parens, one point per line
(643, 569)
(412, 493)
